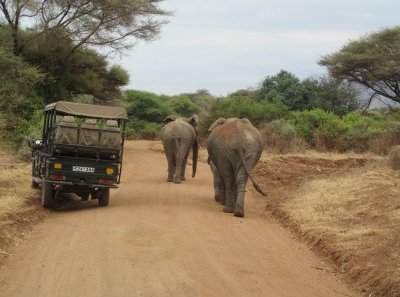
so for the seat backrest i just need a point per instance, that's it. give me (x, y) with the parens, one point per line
(89, 133)
(111, 135)
(66, 132)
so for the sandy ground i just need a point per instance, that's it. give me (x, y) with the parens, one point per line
(162, 239)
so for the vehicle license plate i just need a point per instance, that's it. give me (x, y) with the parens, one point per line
(83, 169)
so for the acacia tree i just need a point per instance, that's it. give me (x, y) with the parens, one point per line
(116, 24)
(372, 61)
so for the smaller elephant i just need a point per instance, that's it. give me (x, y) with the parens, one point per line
(234, 147)
(178, 136)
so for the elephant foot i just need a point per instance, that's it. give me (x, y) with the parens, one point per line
(177, 180)
(183, 178)
(223, 201)
(228, 209)
(170, 179)
(217, 198)
(239, 213)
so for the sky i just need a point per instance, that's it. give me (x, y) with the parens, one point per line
(227, 45)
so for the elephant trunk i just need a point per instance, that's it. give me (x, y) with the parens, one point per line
(195, 156)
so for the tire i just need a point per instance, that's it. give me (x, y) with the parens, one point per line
(104, 197)
(34, 185)
(47, 194)
(85, 196)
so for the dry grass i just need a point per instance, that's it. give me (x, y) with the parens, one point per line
(394, 157)
(358, 214)
(347, 208)
(19, 203)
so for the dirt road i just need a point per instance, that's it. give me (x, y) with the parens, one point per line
(162, 239)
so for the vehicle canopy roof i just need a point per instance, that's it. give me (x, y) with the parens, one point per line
(88, 110)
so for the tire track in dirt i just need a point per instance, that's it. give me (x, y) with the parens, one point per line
(163, 239)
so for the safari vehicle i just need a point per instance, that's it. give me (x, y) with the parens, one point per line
(80, 151)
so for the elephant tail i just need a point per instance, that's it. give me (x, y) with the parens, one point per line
(257, 187)
(195, 156)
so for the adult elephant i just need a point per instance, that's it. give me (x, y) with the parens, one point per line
(234, 147)
(178, 136)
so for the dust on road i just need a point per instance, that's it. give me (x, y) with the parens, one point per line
(163, 239)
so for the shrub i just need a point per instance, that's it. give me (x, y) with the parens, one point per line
(242, 107)
(321, 129)
(146, 106)
(394, 157)
(281, 136)
(140, 129)
(385, 136)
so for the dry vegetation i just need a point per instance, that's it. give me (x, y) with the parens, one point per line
(19, 204)
(346, 207)
(394, 157)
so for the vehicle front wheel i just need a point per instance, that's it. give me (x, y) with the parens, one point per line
(34, 185)
(48, 194)
(104, 197)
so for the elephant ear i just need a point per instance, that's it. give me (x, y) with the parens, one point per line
(169, 119)
(218, 122)
(193, 120)
(246, 121)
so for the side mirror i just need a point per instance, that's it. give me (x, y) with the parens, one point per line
(35, 143)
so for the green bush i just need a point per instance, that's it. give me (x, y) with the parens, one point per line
(146, 106)
(242, 107)
(183, 106)
(281, 136)
(321, 129)
(140, 129)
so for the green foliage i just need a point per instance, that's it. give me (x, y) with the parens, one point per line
(183, 106)
(331, 95)
(146, 106)
(373, 61)
(319, 128)
(18, 101)
(140, 129)
(284, 88)
(83, 71)
(242, 107)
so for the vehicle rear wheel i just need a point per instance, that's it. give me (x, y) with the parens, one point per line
(47, 194)
(104, 197)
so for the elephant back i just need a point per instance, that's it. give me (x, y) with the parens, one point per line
(178, 129)
(236, 133)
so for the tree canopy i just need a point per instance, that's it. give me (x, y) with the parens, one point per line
(372, 61)
(330, 94)
(284, 88)
(117, 24)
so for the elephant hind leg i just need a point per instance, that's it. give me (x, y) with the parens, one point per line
(169, 153)
(229, 192)
(240, 189)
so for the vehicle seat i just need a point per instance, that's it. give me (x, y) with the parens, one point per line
(66, 133)
(111, 135)
(89, 133)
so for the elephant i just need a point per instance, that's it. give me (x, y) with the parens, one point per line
(178, 136)
(234, 147)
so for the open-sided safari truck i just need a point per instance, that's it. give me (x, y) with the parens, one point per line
(80, 151)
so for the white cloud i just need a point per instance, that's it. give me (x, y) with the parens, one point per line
(227, 45)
